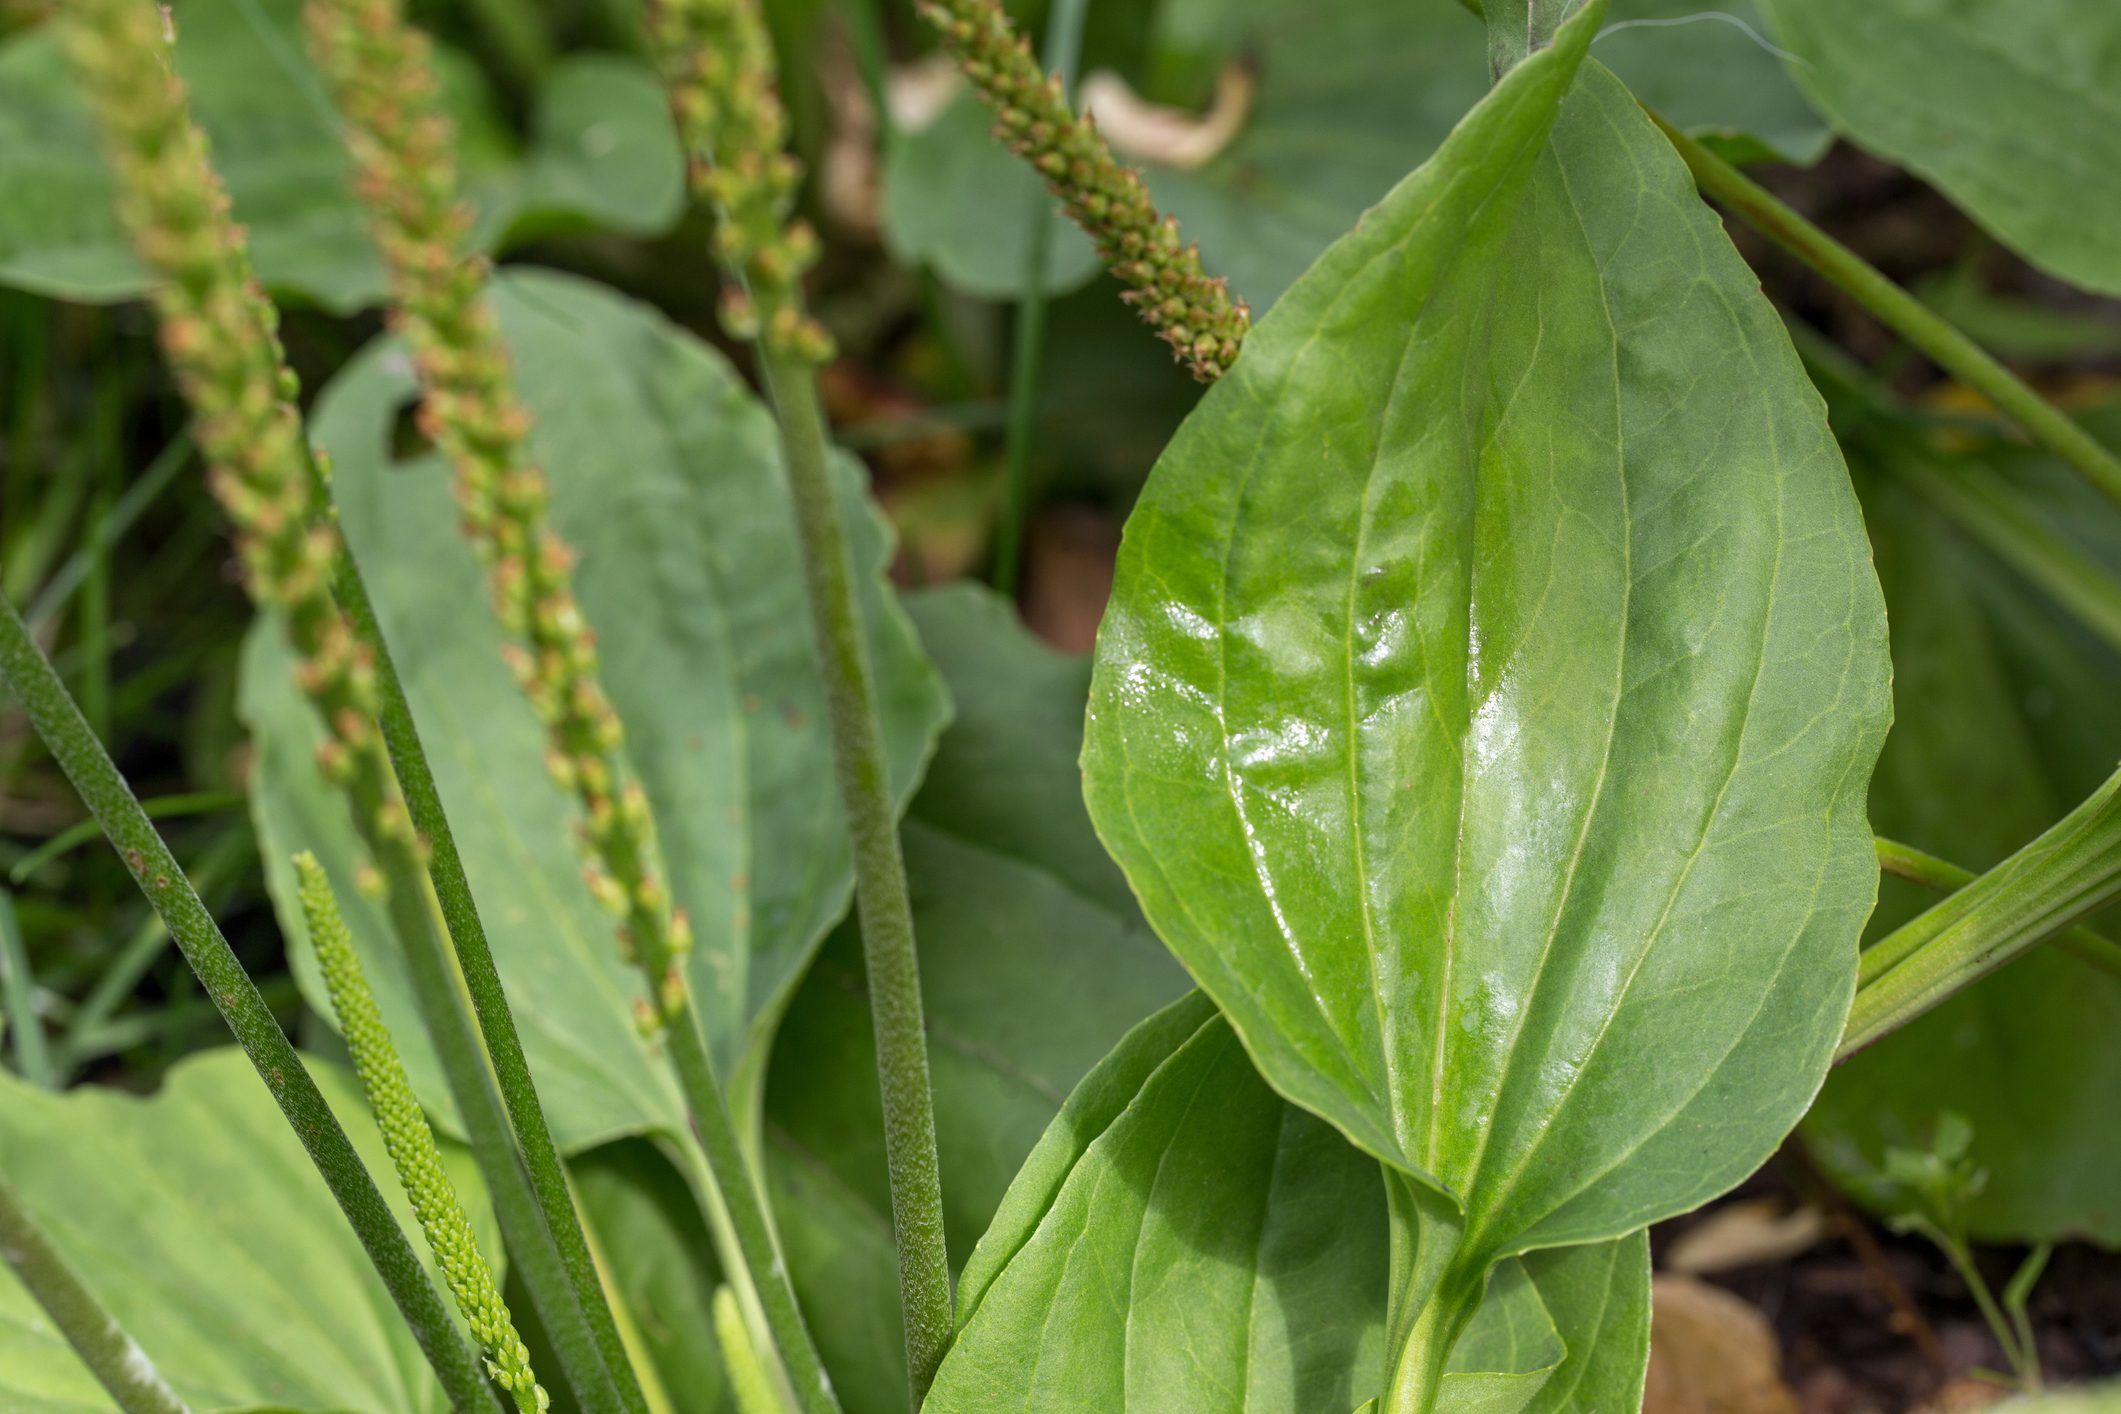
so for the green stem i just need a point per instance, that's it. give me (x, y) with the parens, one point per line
(18, 986)
(879, 873)
(1906, 862)
(1901, 312)
(1981, 507)
(119, 1365)
(1064, 43)
(1431, 1296)
(59, 723)
(543, 1230)
(2070, 869)
(739, 1212)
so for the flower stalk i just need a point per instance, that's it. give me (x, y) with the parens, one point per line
(219, 334)
(1899, 311)
(1190, 310)
(411, 1144)
(381, 72)
(718, 66)
(65, 733)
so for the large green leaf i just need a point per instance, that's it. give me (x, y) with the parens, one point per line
(1351, 94)
(666, 481)
(198, 1222)
(1034, 961)
(2003, 104)
(603, 151)
(2008, 716)
(1183, 1238)
(1491, 681)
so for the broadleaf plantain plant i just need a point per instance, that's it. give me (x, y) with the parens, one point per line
(1484, 718)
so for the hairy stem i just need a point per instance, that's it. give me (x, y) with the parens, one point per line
(886, 913)
(1900, 311)
(718, 65)
(118, 1364)
(66, 735)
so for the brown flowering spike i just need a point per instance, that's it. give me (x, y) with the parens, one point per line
(1192, 312)
(382, 74)
(718, 69)
(219, 332)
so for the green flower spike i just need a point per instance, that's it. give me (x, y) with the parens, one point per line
(718, 68)
(412, 1144)
(1190, 311)
(220, 334)
(382, 75)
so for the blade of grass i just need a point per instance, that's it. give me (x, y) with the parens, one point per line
(1064, 43)
(161, 807)
(59, 590)
(33, 1061)
(1899, 311)
(93, 632)
(118, 1364)
(167, 1025)
(65, 733)
(116, 982)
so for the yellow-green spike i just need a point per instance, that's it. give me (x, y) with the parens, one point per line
(412, 1144)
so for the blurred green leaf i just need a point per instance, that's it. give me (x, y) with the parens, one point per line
(958, 201)
(1351, 96)
(659, 1259)
(603, 153)
(2003, 104)
(2007, 715)
(196, 1220)
(666, 482)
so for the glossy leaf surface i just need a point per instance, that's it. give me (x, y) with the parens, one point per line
(666, 483)
(1034, 961)
(1492, 678)
(199, 1224)
(1997, 102)
(2034, 710)
(602, 151)
(1183, 1238)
